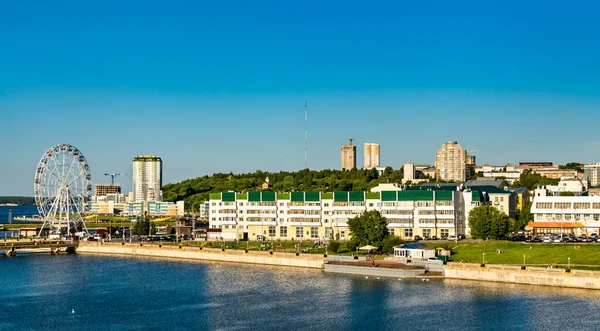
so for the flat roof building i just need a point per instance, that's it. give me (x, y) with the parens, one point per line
(349, 156)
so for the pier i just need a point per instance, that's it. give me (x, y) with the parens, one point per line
(11, 247)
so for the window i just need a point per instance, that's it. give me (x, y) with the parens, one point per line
(299, 233)
(543, 205)
(562, 205)
(408, 232)
(444, 233)
(581, 205)
(314, 232)
(283, 231)
(426, 233)
(391, 232)
(596, 205)
(271, 231)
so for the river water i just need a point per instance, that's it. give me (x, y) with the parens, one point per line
(17, 211)
(39, 292)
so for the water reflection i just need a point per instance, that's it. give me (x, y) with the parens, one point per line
(139, 294)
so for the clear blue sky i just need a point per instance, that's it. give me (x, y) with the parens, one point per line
(219, 86)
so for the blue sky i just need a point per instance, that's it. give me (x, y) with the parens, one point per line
(220, 86)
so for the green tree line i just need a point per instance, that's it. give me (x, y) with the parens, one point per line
(18, 200)
(197, 190)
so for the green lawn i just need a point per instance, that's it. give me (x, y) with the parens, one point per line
(536, 253)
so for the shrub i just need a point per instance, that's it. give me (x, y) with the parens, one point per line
(334, 246)
(389, 242)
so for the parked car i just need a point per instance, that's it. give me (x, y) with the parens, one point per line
(452, 237)
(418, 238)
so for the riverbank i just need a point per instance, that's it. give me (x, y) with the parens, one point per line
(520, 275)
(207, 254)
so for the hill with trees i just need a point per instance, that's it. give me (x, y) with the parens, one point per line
(194, 191)
(17, 200)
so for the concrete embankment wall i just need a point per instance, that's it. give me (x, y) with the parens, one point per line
(532, 275)
(206, 254)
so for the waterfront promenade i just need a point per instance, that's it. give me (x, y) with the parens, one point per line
(209, 254)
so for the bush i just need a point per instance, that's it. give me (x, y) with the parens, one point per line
(352, 245)
(334, 246)
(389, 242)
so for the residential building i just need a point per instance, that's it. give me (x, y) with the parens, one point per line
(324, 215)
(139, 208)
(523, 196)
(471, 160)
(101, 190)
(451, 162)
(566, 186)
(565, 214)
(349, 156)
(591, 173)
(147, 178)
(371, 156)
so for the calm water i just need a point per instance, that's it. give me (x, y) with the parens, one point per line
(17, 211)
(38, 292)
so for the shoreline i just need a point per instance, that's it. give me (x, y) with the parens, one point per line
(559, 278)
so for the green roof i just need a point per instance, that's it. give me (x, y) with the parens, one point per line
(415, 195)
(228, 196)
(327, 195)
(444, 195)
(254, 196)
(267, 196)
(312, 196)
(241, 196)
(476, 196)
(214, 196)
(357, 196)
(373, 195)
(283, 196)
(389, 196)
(297, 196)
(340, 196)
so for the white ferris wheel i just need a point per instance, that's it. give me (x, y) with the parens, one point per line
(62, 188)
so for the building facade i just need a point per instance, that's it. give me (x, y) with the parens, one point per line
(138, 209)
(147, 178)
(101, 190)
(325, 215)
(591, 173)
(451, 162)
(566, 214)
(349, 156)
(371, 156)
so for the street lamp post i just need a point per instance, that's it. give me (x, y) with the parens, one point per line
(523, 260)
(569, 263)
(483, 258)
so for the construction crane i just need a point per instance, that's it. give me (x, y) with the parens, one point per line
(474, 150)
(112, 177)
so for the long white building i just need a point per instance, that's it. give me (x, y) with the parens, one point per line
(147, 178)
(324, 215)
(566, 214)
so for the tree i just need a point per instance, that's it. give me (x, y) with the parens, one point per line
(532, 180)
(370, 228)
(524, 216)
(572, 166)
(487, 222)
(389, 242)
(141, 227)
(567, 194)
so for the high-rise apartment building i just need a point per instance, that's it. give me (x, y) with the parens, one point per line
(101, 190)
(371, 156)
(591, 173)
(147, 178)
(349, 156)
(451, 162)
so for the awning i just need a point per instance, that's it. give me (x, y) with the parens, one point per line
(547, 225)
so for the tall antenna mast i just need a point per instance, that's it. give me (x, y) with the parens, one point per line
(305, 135)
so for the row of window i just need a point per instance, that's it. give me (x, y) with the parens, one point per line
(567, 205)
(568, 217)
(438, 203)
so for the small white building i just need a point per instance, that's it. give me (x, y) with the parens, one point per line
(414, 251)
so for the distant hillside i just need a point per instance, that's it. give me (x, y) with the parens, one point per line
(196, 190)
(18, 200)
